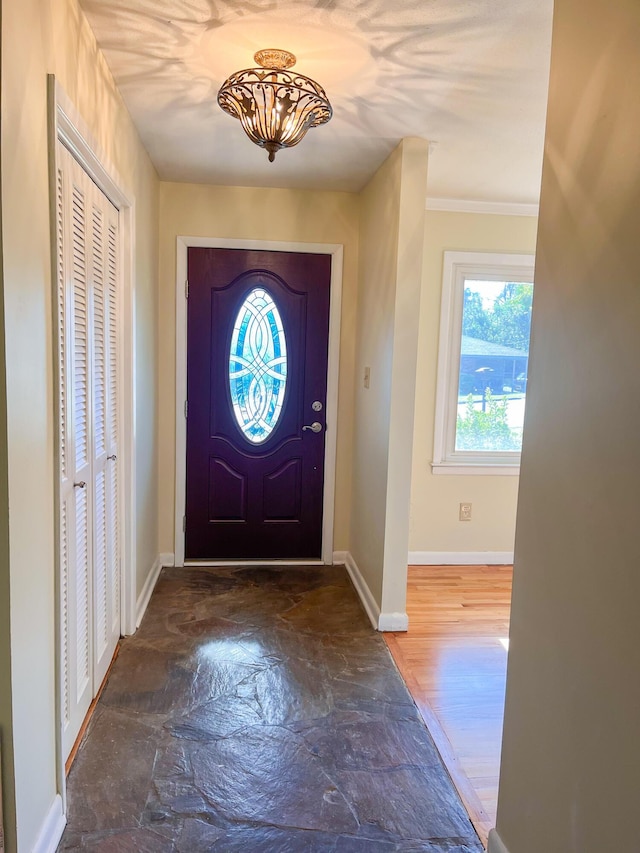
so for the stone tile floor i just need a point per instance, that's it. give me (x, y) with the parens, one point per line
(256, 710)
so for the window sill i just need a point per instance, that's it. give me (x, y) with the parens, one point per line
(465, 469)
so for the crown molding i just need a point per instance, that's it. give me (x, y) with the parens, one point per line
(501, 208)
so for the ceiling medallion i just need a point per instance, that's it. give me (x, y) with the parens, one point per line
(276, 107)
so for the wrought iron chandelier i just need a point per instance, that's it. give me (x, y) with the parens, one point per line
(276, 107)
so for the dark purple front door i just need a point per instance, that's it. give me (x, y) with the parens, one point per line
(258, 329)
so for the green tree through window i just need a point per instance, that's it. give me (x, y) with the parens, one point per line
(506, 321)
(496, 322)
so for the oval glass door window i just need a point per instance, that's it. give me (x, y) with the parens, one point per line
(258, 366)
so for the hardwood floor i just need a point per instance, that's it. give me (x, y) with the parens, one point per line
(454, 664)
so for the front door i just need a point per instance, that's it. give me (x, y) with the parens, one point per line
(257, 348)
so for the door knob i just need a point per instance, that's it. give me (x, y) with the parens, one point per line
(316, 426)
(79, 485)
(113, 457)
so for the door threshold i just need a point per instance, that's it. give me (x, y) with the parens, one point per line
(206, 564)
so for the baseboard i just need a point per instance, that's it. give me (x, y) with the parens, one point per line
(460, 558)
(380, 621)
(222, 564)
(393, 622)
(149, 585)
(495, 843)
(167, 559)
(362, 588)
(52, 828)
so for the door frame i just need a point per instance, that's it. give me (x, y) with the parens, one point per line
(336, 250)
(67, 127)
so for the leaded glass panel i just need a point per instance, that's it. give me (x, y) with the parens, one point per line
(258, 366)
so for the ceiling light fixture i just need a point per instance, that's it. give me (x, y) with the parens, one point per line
(276, 107)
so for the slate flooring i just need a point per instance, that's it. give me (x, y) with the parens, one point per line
(256, 710)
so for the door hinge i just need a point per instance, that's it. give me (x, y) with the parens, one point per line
(186, 408)
(184, 523)
(186, 289)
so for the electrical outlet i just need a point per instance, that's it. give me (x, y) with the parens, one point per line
(367, 377)
(465, 512)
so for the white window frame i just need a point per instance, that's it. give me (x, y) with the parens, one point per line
(459, 266)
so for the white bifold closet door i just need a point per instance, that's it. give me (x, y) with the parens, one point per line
(88, 296)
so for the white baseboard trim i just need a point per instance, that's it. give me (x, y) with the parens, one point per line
(52, 828)
(495, 843)
(460, 558)
(393, 622)
(149, 585)
(362, 588)
(380, 621)
(223, 564)
(167, 560)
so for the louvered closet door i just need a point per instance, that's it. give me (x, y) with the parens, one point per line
(75, 429)
(112, 343)
(104, 279)
(88, 396)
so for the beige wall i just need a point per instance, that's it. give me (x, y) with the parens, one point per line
(571, 752)
(41, 36)
(391, 245)
(257, 214)
(7, 806)
(147, 378)
(435, 499)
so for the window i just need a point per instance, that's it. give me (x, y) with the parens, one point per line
(258, 366)
(485, 323)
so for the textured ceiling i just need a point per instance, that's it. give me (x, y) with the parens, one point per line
(468, 75)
